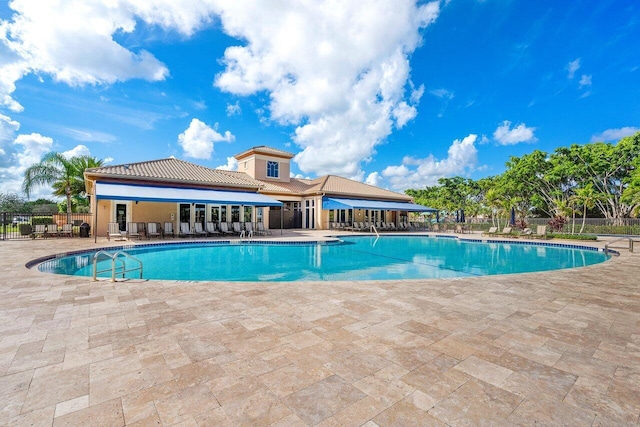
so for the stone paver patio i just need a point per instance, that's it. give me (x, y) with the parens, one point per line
(553, 348)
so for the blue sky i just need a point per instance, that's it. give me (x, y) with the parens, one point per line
(391, 92)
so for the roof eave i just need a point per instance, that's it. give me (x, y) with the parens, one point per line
(111, 176)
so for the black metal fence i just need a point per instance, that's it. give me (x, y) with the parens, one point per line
(16, 225)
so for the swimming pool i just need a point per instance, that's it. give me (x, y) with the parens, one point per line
(350, 258)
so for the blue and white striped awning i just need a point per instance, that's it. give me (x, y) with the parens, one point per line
(148, 193)
(339, 203)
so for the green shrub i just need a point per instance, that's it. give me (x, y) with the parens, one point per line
(42, 220)
(25, 229)
(573, 236)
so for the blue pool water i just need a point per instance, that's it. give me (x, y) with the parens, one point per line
(354, 258)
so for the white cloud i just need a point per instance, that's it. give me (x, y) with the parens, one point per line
(418, 173)
(615, 134)
(585, 81)
(504, 135)
(234, 109)
(341, 80)
(374, 178)
(20, 153)
(77, 151)
(73, 40)
(442, 93)
(232, 165)
(7, 128)
(573, 67)
(198, 139)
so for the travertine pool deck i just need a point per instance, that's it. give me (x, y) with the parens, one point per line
(553, 348)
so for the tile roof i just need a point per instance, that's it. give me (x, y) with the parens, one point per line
(263, 149)
(332, 185)
(175, 170)
(180, 171)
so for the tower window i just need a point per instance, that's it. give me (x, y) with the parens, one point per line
(272, 169)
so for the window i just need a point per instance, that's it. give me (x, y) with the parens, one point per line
(185, 212)
(272, 169)
(235, 213)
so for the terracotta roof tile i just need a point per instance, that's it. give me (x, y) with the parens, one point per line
(263, 149)
(172, 169)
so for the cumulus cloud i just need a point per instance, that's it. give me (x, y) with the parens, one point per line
(198, 139)
(572, 68)
(418, 173)
(20, 153)
(77, 151)
(343, 80)
(232, 165)
(73, 40)
(615, 134)
(505, 135)
(374, 179)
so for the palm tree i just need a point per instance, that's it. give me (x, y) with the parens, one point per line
(66, 176)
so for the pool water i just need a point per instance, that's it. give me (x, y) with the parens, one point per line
(354, 258)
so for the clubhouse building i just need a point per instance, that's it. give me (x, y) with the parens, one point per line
(261, 191)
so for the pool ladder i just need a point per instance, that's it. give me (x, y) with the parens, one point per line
(246, 236)
(118, 264)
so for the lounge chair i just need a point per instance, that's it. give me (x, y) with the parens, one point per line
(67, 230)
(505, 232)
(211, 229)
(40, 230)
(541, 232)
(152, 230)
(142, 229)
(185, 230)
(236, 228)
(114, 231)
(199, 231)
(525, 233)
(262, 230)
(248, 226)
(168, 229)
(132, 230)
(491, 232)
(224, 228)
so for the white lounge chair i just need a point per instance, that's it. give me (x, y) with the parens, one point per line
(132, 230)
(67, 230)
(185, 230)
(198, 230)
(114, 231)
(168, 229)
(491, 232)
(541, 232)
(152, 230)
(211, 229)
(262, 230)
(237, 229)
(40, 230)
(224, 228)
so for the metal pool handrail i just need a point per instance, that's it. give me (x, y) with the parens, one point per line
(115, 268)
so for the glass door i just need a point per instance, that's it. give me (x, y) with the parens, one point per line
(121, 216)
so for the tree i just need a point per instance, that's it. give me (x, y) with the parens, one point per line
(66, 176)
(586, 197)
(11, 202)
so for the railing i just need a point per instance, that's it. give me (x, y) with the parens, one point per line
(373, 228)
(118, 265)
(16, 225)
(607, 246)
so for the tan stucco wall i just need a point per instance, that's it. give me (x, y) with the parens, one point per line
(139, 212)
